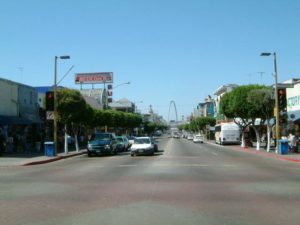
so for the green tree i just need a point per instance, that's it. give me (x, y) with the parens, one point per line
(263, 108)
(71, 107)
(199, 124)
(235, 105)
(247, 103)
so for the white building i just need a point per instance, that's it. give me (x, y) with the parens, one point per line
(218, 95)
(293, 100)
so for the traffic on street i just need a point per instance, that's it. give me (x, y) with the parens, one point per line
(156, 112)
(182, 183)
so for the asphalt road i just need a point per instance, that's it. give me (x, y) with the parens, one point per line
(184, 183)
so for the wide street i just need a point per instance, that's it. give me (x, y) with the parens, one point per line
(184, 183)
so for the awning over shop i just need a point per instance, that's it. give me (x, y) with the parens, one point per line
(15, 120)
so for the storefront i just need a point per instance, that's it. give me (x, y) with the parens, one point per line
(293, 103)
(293, 111)
(19, 116)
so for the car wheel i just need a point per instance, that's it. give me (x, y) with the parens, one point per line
(112, 152)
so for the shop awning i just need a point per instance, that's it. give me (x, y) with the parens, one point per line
(15, 120)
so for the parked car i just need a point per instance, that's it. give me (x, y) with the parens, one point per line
(190, 137)
(176, 135)
(102, 144)
(198, 138)
(122, 143)
(157, 133)
(142, 146)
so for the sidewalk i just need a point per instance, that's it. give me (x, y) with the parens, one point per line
(28, 160)
(292, 157)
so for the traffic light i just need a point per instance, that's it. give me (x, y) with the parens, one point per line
(49, 101)
(282, 103)
(282, 100)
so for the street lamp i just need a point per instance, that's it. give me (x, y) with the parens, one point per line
(277, 125)
(121, 84)
(55, 101)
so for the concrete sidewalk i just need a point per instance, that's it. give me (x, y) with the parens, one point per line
(292, 157)
(28, 160)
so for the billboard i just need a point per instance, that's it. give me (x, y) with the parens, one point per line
(93, 78)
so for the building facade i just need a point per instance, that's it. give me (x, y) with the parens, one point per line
(293, 108)
(218, 96)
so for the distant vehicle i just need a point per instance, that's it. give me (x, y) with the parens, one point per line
(157, 133)
(176, 135)
(227, 133)
(198, 138)
(174, 132)
(122, 143)
(142, 146)
(190, 137)
(102, 144)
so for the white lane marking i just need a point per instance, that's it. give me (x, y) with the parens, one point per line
(168, 149)
(228, 165)
(169, 164)
(128, 165)
(180, 165)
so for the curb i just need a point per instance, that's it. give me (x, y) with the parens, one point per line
(56, 158)
(266, 154)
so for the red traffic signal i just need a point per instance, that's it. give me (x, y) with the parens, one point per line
(282, 100)
(49, 100)
(281, 92)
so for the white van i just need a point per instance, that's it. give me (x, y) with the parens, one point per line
(227, 133)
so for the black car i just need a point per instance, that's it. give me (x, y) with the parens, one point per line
(102, 144)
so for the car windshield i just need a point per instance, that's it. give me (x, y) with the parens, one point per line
(142, 141)
(120, 139)
(101, 136)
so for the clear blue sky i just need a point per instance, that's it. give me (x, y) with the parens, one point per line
(180, 50)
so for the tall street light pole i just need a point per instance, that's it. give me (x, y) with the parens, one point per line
(55, 101)
(277, 125)
(121, 84)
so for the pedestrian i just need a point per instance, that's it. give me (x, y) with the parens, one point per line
(2, 142)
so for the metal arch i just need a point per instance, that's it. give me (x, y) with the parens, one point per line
(172, 102)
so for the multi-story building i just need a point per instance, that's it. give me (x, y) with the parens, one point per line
(97, 98)
(123, 105)
(218, 95)
(18, 103)
(205, 109)
(293, 104)
(19, 116)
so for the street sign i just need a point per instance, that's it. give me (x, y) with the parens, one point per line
(94, 78)
(50, 115)
(109, 93)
